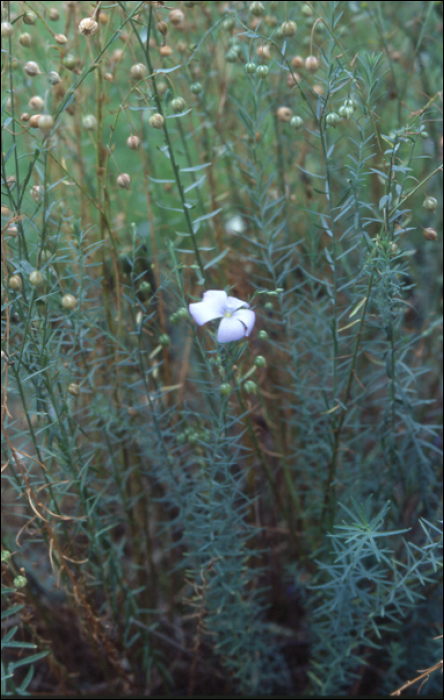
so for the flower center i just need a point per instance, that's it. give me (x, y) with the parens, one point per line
(228, 314)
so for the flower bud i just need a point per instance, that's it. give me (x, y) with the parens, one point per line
(124, 181)
(297, 123)
(284, 114)
(25, 39)
(182, 314)
(74, 390)
(145, 289)
(61, 39)
(157, 121)
(430, 234)
(177, 17)
(69, 302)
(262, 335)
(88, 26)
(7, 30)
(289, 28)
(263, 72)
(89, 122)
(250, 387)
(36, 278)
(225, 389)
(30, 18)
(196, 88)
(250, 68)
(138, 71)
(257, 9)
(133, 142)
(312, 64)
(430, 204)
(45, 122)
(260, 361)
(31, 68)
(16, 283)
(20, 581)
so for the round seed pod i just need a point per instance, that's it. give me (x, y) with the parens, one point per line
(166, 51)
(25, 39)
(260, 361)
(31, 68)
(37, 278)
(257, 9)
(263, 51)
(430, 234)
(293, 80)
(54, 78)
(54, 14)
(297, 123)
(250, 68)
(177, 17)
(225, 389)
(263, 72)
(15, 282)
(157, 121)
(289, 28)
(138, 71)
(250, 387)
(164, 340)
(29, 18)
(182, 314)
(162, 27)
(262, 335)
(306, 10)
(332, 119)
(7, 30)
(297, 62)
(284, 114)
(36, 102)
(178, 105)
(61, 39)
(45, 122)
(69, 302)
(70, 61)
(88, 26)
(312, 64)
(89, 122)
(34, 121)
(74, 390)
(430, 204)
(133, 142)
(124, 181)
(25, 117)
(196, 88)
(319, 90)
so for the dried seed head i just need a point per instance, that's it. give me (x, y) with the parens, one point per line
(54, 14)
(37, 192)
(34, 121)
(16, 283)
(36, 102)
(74, 390)
(284, 114)
(166, 51)
(289, 28)
(293, 79)
(264, 51)
(31, 68)
(157, 121)
(45, 122)
(37, 278)
(69, 302)
(320, 90)
(133, 142)
(88, 26)
(7, 29)
(257, 9)
(138, 71)
(312, 64)
(61, 39)
(124, 181)
(54, 78)
(177, 17)
(162, 27)
(25, 39)
(297, 62)
(89, 122)
(430, 204)
(430, 234)
(30, 18)
(25, 117)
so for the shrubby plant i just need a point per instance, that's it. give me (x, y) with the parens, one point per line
(221, 345)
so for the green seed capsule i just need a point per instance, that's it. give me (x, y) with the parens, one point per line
(297, 123)
(263, 72)
(225, 389)
(260, 361)
(250, 68)
(196, 88)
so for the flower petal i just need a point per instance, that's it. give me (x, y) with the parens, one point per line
(230, 329)
(213, 306)
(233, 303)
(247, 318)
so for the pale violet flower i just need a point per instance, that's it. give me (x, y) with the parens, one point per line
(237, 318)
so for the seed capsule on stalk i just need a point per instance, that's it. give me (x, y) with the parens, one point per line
(157, 121)
(124, 181)
(36, 278)
(31, 68)
(69, 302)
(88, 26)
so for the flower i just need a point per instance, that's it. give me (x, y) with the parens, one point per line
(237, 318)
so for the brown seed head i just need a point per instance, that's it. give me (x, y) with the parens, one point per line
(312, 64)
(88, 26)
(31, 68)
(157, 121)
(264, 51)
(177, 17)
(60, 39)
(45, 122)
(138, 71)
(34, 121)
(430, 234)
(133, 142)
(36, 102)
(284, 114)
(297, 62)
(166, 51)
(124, 181)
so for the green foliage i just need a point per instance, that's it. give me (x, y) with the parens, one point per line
(176, 505)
